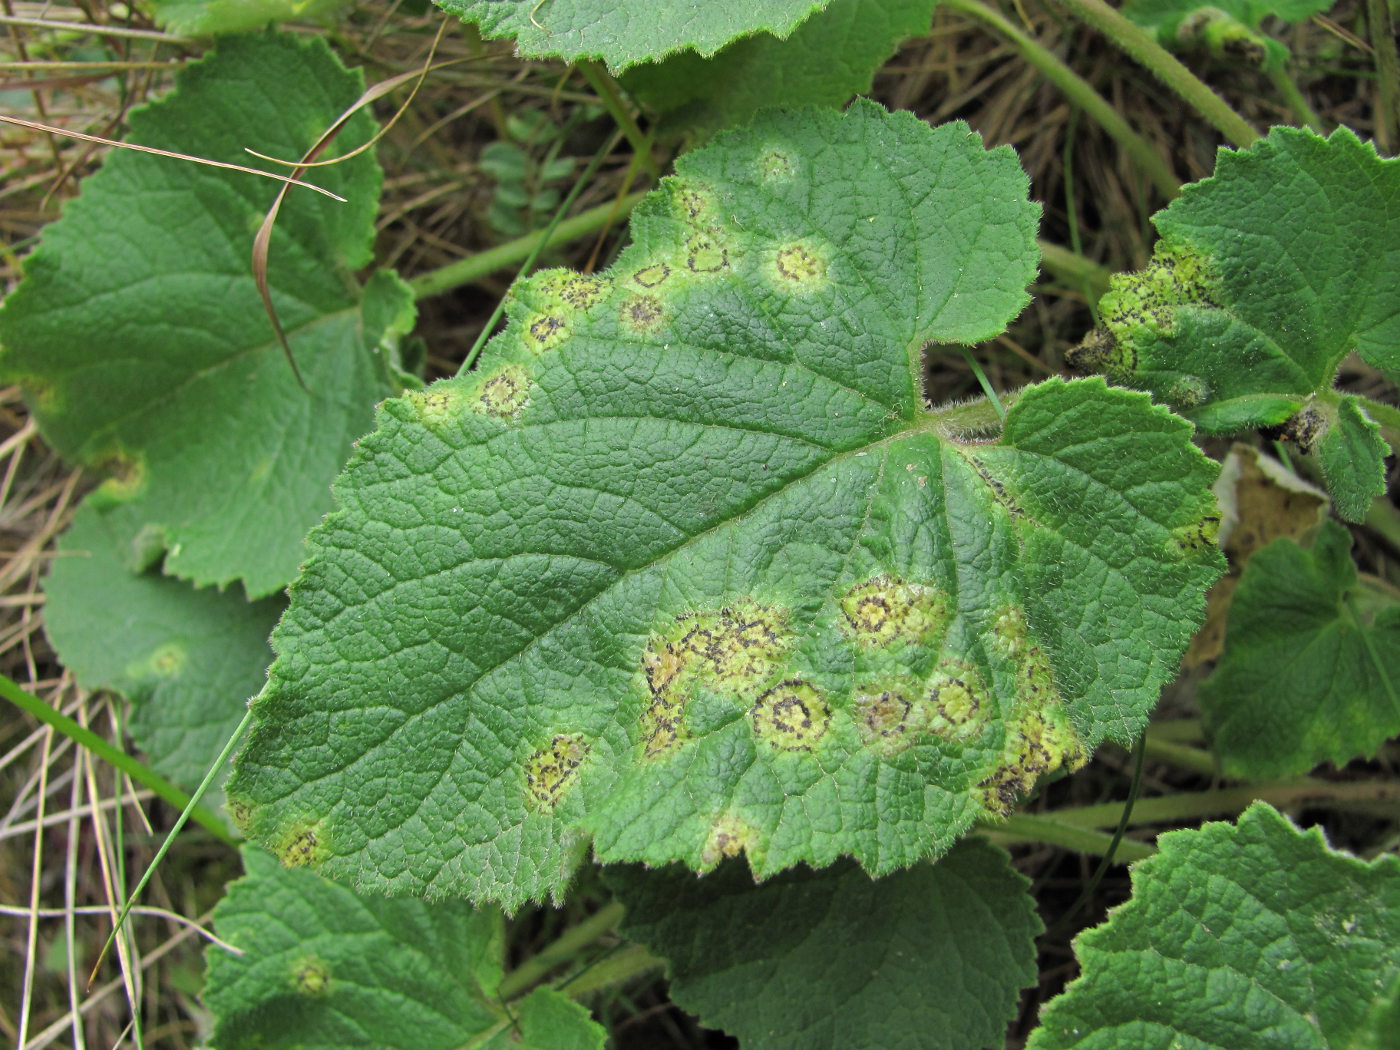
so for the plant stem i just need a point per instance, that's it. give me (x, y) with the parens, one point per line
(533, 970)
(113, 756)
(1138, 44)
(602, 82)
(1183, 756)
(1294, 100)
(1027, 827)
(1227, 801)
(1081, 93)
(483, 264)
(1073, 269)
(632, 961)
(1382, 34)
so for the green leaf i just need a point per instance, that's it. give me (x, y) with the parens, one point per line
(932, 957)
(1311, 669)
(210, 17)
(143, 346)
(688, 567)
(1246, 937)
(1266, 276)
(1352, 455)
(187, 659)
(825, 61)
(624, 34)
(325, 967)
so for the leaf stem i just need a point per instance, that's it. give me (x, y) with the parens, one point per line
(534, 969)
(1294, 100)
(603, 84)
(113, 756)
(632, 961)
(984, 383)
(1081, 93)
(1382, 34)
(1139, 45)
(1074, 269)
(483, 264)
(1029, 827)
(1229, 801)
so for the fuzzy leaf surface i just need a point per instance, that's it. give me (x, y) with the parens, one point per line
(187, 659)
(1352, 453)
(143, 347)
(687, 567)
(324, 967)
(1247, 307)
(825, 61)
(624, 34)
(930, 958)
(1245, 937)
(1311, 669)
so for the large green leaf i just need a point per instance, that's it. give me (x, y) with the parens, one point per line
(1248, 937)
(143, 346)
(324, 967)
(688, 567)
(623, 34)
(1267, 275)
(930, 958)
(825, 61)
(187, 659)
(1311, 668)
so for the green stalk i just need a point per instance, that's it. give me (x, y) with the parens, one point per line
(632, 961)
(113, 756)
(1227, 802)
(1294, 100)
(1073, 269)
(1027, 827)
(1382, 34)
(1182, 756)
(1138, 44)
(1081, 93)
(512, 253)
(574, 939)
(603, 84)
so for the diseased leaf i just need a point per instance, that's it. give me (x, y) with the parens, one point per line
(930, 958)
(688, 567)
(209, 17)
(325, 967)
(624, 34)
(142, 344)
(1311, 669)
(187, 659)
(825, 61)
(1246, 937)
(1352, 455)
(1229, 29)
(1266, 276)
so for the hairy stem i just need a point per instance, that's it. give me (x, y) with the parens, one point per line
(574, 939)
(1081, 93)
(1382, 34)
(1138, 44)
(1028, 827)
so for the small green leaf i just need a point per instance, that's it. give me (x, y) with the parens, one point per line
(688, 566)
(1266, 276)
(187, 659)
(933, 957)
(143, 347)
(623, 34)
(324, 968)
(1311, 669)
(825, 61)
(1352, 454)
(549, 1020)
(211, 17)
(1248, 937)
